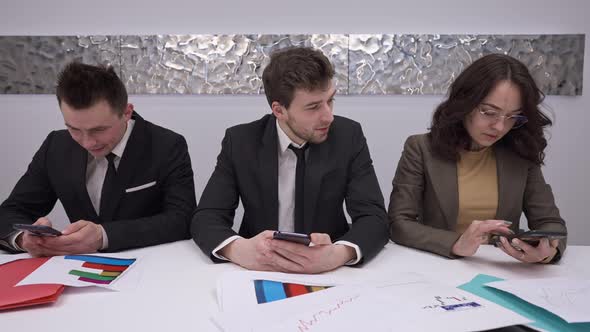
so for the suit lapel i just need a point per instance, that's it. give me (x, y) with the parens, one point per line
(128, 165)
(444, 181)
(268, 168)
(315, 168)
(508, 178)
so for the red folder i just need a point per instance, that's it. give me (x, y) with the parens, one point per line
(12, 273)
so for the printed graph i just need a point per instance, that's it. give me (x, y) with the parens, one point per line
(452, 303)
(99, 269)
(270, 291)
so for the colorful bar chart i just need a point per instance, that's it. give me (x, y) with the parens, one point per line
(270, 291)
(99, 269)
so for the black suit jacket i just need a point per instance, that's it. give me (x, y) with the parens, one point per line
(337, 170)
(157, 214)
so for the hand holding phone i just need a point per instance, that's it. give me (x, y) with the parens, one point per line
(531, 237)
(292, 237)
(37, 230)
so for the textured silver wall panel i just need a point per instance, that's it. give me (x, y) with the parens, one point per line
(30, 64)
(233, 64)
(215, 64)
(427, 64)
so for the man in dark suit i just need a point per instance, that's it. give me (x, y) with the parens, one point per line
(292, 170)
(123, 181)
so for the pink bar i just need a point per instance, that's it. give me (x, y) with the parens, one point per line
(104, 282)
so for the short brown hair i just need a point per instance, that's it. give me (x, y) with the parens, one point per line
(81, 86)
(295, 68)
(447, 132)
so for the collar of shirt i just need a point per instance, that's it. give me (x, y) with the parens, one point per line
(120, 147)
(284, 140)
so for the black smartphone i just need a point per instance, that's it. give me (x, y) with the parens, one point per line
(530, 237)
(292, 237)
(37, 230)
(533, 237)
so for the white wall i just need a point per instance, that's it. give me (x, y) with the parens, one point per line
(387, 120)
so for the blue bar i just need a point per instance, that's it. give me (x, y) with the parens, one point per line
(102, 260)
(259, 291)
(273, 290)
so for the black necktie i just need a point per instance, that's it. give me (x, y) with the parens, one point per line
(108, 186)
(299, 186)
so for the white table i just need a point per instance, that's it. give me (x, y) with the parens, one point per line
(176, 291)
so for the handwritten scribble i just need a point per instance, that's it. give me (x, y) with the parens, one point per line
(445, 301)
(306, 325)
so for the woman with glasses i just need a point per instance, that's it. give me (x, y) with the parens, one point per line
(478, 169)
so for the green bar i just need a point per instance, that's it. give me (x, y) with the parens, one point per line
(90, 275)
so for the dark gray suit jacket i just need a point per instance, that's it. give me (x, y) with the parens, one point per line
(337, 170)
(424, 200)
(157, 214)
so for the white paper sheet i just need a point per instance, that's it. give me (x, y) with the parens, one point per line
(70, 271)
(405, 303)
(566, 297)
(10, 258)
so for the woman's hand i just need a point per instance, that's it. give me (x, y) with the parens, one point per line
(542, 253)
(477, 234)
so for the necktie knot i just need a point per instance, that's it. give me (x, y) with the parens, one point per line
(111, 161)
(299, 152)
(111, 157)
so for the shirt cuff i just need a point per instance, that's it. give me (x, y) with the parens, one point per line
(222, 245)
(105, 238)
(356, 248)
(12, 241)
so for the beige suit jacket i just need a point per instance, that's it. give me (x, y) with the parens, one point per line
(424, 200)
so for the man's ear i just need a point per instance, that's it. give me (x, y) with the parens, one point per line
(277, 109)
(128, 111)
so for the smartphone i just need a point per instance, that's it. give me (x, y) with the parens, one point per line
(530, 237)
(37, 230)
(292, 237)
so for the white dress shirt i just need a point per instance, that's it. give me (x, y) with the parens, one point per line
(96, 170)
(286, 190)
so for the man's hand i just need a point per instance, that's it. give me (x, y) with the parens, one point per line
(263, 253)
(80, 237)
(529, 254)
(477, 234)
(30, 242)
(321, 257)
(254, 253)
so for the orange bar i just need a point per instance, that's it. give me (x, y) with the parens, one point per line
(295, 290)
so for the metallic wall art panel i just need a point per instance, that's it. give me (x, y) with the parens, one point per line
(215, 64)
(428, 64)
(233, 64)
(30, 64)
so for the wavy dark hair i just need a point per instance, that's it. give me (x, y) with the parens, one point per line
(81, 86)
(447, 132)
(295, 68)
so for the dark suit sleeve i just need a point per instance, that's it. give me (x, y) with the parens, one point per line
(32, 197)
(213, 220)
(539, 206)
(364, 202)
(172, 223)
(406, 204)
